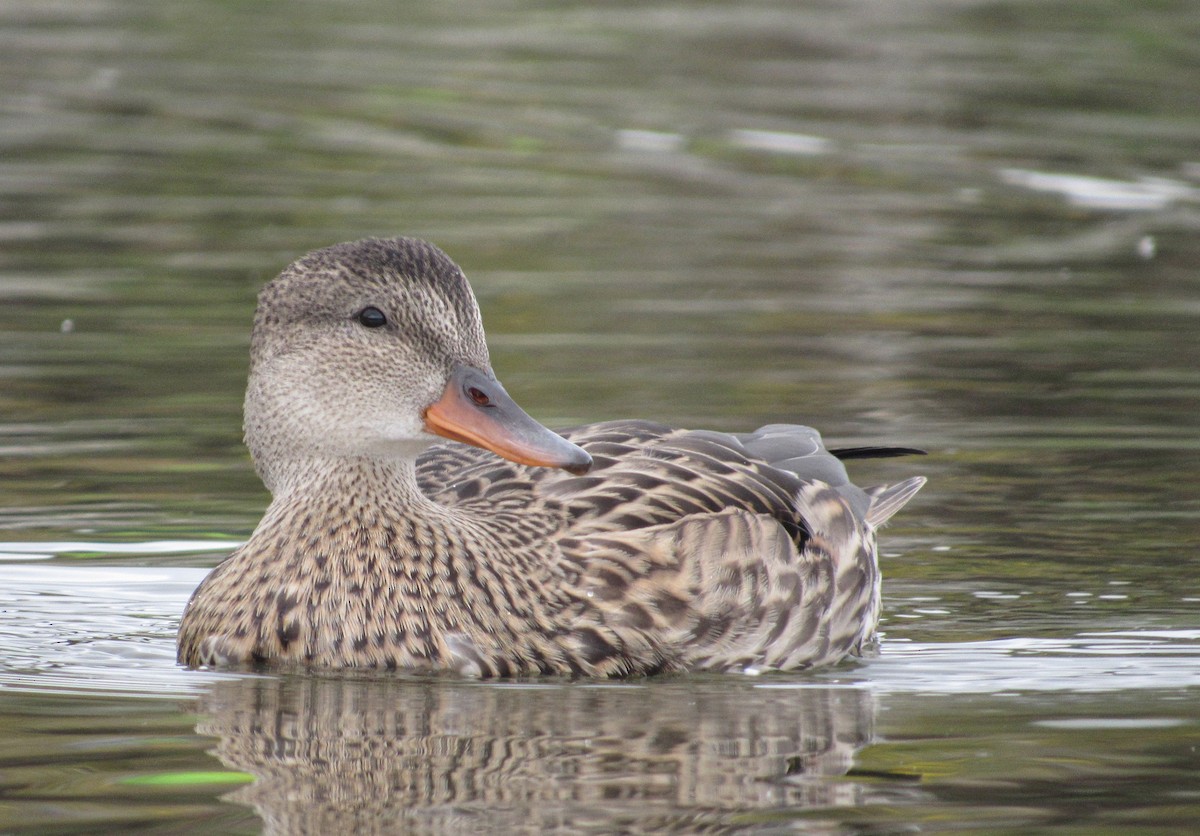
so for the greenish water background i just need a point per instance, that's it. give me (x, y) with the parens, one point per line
(966, 226)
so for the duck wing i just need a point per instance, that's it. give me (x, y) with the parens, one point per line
(698, 549)
(724, 591)
(643, 474)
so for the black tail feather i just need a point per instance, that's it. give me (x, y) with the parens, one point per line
(845, 453)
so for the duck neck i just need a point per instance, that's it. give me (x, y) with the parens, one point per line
(369, 516)
(366, 497)
(316, 478)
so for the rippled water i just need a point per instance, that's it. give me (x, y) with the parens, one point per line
(970, 227)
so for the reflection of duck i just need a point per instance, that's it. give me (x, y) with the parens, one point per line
(397, 755)
(678, 550)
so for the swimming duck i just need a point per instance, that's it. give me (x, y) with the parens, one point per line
(614, 549)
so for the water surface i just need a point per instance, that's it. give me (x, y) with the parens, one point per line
(970, 227)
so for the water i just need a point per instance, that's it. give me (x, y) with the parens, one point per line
(970, 227)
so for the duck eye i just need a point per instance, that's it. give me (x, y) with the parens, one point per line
(371, 317)
(479, 397)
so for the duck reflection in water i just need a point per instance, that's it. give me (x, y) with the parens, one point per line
(393, 754)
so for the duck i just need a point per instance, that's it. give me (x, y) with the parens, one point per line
(421, 521)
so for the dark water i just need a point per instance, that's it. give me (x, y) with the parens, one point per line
(971, 227)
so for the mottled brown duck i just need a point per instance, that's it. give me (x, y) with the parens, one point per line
(613, 549)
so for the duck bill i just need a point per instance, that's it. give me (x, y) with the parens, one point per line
(475, 409)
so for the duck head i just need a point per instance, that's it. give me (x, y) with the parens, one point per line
(371, 349)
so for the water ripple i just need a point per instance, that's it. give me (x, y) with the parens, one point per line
(71, 628)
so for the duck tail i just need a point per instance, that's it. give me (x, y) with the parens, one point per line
(886, 500)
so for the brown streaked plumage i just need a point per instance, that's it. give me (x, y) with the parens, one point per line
(657, 549)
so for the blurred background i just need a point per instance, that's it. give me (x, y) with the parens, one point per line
(951, 224)
(966, 226)
(971, 226)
